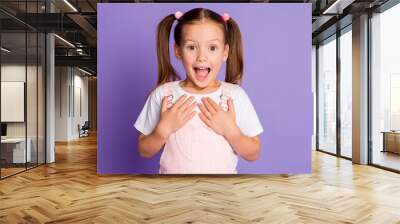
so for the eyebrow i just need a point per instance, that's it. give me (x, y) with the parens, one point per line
(216, 39)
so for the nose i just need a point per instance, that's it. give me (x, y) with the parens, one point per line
(201, 55)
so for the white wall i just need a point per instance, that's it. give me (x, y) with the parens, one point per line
(14, 73)
(70, 83)
(61, 103)
(33, 126)
(81, 103)
(314, 91)
(17, 73)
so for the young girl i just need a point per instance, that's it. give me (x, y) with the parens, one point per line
(204, 123)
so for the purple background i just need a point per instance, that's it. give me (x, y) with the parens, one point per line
(277, 77)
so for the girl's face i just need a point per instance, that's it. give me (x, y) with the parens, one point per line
(202, 51)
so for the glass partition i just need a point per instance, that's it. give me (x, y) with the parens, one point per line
(13, 109)
(22, 78)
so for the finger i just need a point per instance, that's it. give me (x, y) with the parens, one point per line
(186, 104)
(205, 111)
(180, 101)
(231, 107)
(190, 116)
(205, 120)
(190, 108)
(169, 101)
(164, 104)
(213, 104)
(208, 106)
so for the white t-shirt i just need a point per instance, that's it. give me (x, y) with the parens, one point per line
(246, 116)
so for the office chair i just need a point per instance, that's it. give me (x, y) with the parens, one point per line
(84, 130)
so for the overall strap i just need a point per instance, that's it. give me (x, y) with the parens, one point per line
(226, 93)
(168, 92)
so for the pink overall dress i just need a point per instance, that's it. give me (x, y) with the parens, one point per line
(197, 149)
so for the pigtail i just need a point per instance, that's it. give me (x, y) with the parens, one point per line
(166, 72)
(234, 64)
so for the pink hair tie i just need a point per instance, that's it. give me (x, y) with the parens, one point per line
(225, 17)
(178, 15)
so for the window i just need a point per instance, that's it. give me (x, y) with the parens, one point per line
(327, 95)
(385, 88)
(346, 93)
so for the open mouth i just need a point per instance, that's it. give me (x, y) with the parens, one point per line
(202, 72)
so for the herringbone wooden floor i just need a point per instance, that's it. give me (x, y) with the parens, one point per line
(70, 191)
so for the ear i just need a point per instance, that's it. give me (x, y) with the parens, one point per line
(226, 52)
(177, 51)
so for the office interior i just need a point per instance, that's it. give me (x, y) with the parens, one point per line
(49, 75)
(46, 80)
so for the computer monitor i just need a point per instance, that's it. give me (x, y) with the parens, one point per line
(3, 129)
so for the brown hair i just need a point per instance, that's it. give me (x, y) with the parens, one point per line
(232, 36)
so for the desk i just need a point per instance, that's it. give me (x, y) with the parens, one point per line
(13, 150)
(391, 141)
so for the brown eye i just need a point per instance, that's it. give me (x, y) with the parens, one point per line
(190, 47)
(213, 48)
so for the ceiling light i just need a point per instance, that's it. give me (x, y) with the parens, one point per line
(70, 5)
(84, 71)
(331, 7)
(64, 40)
(5, 50)
(337, 7)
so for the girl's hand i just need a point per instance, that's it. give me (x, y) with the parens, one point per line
(171, 119)
(222, 122)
